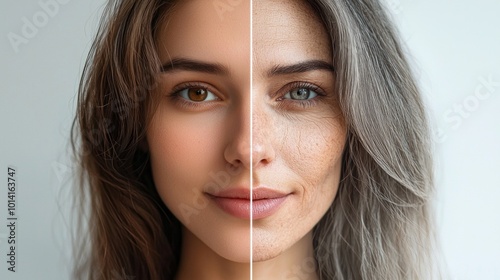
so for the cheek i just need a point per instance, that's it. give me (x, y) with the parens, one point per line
(184, 150)
(181, 146)
(312, 148)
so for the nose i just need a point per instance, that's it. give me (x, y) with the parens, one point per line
(237, 151)
(263, 152)
(259, 126)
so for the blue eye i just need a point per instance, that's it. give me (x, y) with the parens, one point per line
(300, 94)
(197, 94)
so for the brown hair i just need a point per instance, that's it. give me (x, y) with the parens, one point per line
(131, 232)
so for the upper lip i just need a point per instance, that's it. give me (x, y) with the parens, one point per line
(244, 193)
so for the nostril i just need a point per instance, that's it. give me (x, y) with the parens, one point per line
(237, 153)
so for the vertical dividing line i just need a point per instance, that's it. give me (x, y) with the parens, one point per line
(251, 141)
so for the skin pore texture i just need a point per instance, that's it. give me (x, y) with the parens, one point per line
(297, 143)
(199, 137)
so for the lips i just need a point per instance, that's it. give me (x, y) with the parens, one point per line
(236, 202)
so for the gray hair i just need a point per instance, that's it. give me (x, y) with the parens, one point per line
(380, 225)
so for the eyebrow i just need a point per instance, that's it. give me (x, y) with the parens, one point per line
(301, 67)
(186, 64)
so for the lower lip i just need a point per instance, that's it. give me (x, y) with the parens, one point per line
(240, 208)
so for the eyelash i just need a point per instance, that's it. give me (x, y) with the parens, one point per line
(300, 104)
(184, 103)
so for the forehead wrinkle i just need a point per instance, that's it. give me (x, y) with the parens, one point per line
(295, 15)
(301, 11)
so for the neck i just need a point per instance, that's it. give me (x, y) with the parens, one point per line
(297, 262)
(200, 262)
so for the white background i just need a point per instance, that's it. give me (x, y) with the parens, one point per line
(38, 86)
(455, 49)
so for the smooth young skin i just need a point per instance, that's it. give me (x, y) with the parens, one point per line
(199, 140)
(297, 144)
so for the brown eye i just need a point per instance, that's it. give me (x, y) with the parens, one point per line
(197, 94)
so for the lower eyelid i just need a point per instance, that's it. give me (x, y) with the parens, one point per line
(187, 104)
(291, 104)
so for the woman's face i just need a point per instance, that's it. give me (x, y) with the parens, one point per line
(298, 131)
(199, 138)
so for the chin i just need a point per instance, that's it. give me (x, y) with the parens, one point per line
(232, 245)
(262, 251)
(237, 255)
(263, 256)
(271, 243)
(238, 258)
